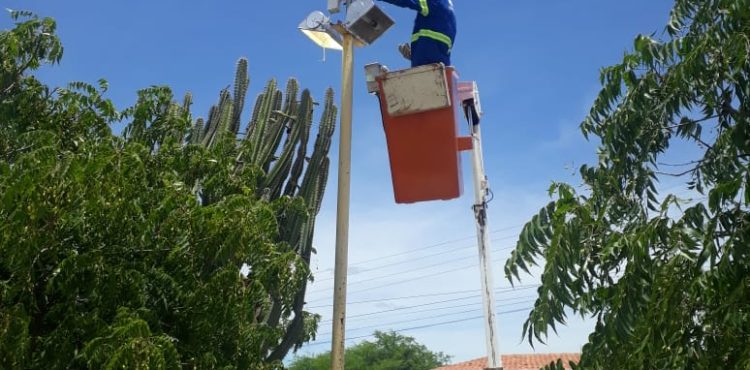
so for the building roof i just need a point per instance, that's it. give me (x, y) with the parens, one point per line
(517, 362)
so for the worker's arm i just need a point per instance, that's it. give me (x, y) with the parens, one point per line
(411, 4)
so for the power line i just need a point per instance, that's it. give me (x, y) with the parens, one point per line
(499, 290)
(400, 272)
(430, 256)
(423, 248)
(435, 265)
(431, 309)
(401, 298)
(430, 317)
(410, 270)
(447, 322)
(414, 306)
(441, 253)
(421, 268)
(419, 296)
(426, 326)
(399, 282)
(438, 264)
(374, 313)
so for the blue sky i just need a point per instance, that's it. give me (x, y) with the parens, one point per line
(537, 65)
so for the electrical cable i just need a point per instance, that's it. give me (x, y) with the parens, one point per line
(374, 313)
(423, 248)
(426, 326)
(430, 256)
(399, 282)
(422, 296)
(433, 309)
(409, 271)
(429, 317)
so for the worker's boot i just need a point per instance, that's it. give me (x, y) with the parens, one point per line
(405, 50)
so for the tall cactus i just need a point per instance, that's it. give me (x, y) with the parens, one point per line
(295, 137)
(299, 163)
(241, 83)
(276, 142)
(218, 120)
(196, 134)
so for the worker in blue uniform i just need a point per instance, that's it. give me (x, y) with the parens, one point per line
(434, 31)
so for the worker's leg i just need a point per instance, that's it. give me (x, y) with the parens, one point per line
(427, 51)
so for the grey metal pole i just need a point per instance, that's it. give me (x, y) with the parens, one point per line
(481, 186)
(342, 208)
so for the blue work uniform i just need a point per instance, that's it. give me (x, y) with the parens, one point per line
(434, 30)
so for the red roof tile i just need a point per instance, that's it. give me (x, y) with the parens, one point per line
(517, 362)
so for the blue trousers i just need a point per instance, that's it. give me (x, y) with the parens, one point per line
(427, 51)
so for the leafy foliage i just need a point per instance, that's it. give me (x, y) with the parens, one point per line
(668, 281)
(126, 251)
(390, 351)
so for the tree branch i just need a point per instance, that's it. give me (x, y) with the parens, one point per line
(677, 174)
(692, 122)
(679, 164)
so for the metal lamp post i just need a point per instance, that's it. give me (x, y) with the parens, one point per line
(342, 206)
(365, 22)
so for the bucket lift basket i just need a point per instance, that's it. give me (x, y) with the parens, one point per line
(420, 108)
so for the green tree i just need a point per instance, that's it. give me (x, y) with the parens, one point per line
(389, 351)
(126, 251)
(667, 280)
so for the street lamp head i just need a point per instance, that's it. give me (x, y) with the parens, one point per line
(366, 21)
(318, 28)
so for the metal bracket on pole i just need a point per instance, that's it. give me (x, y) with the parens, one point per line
(334, 6)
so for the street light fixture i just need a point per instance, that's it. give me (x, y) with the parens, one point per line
(318, 28)
(366, 21)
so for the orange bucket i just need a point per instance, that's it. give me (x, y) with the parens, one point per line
(420, 110)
